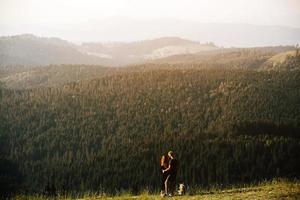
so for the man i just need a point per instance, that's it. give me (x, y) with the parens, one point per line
(170, 183)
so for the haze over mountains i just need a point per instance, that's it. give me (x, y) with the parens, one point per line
(118, 41)
(28, 49)
(223, 34)
(31, 50)
(128, 29)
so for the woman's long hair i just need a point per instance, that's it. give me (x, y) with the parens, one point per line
(164, 161)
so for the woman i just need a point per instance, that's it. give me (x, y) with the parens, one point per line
(170, 184)
(164, 164)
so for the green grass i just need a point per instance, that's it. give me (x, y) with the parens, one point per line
(279, 189)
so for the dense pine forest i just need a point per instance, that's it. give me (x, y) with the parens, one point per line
(228, 125)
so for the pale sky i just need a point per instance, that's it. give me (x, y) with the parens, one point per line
(17, 16)
(266, 12)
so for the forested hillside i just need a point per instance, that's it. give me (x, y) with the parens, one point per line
(226, 126)
(25, 77)
(246, 58)
(258, 59)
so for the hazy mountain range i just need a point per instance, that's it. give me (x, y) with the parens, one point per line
(28, 49)
(127, 29)
(222, 34)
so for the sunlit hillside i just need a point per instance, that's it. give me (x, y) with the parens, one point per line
(227, 126)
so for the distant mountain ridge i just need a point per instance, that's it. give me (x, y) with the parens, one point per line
(28, 49)
(120, 28)
(131, 52)
(223, 34)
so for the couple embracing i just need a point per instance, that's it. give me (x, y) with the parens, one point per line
(169, 167)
